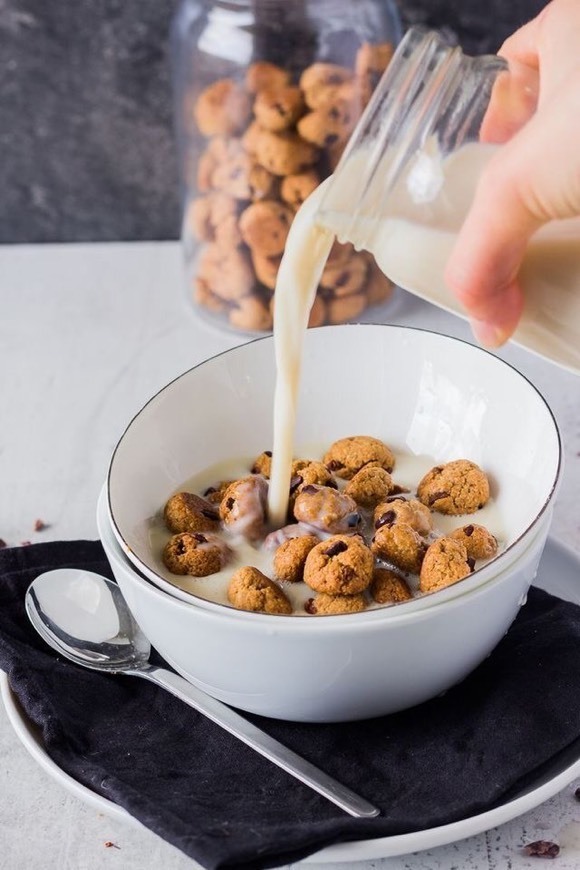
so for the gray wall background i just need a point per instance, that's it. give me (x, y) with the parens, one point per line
(86, 139)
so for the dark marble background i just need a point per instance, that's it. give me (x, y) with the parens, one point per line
(86, 139)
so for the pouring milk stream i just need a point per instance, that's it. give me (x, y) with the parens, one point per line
(411, 239)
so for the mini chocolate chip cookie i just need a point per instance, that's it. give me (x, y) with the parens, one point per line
(477, 540)
(331, 123)
(187, 512)
(321, 75)
(343, 308)
(400, 545)
(204, 295)
(327, 509)
(243, 506)
(290, 558)
(250, 314)
(264, 227)
(262, 464)
(388, 587)
(227, 271)
(458, 487)
(266, 269)
(284, 153)
(214, 218)
(295, 188)
(341, 565)
(446, 562)
(195, 554)
(279, 108)
(222, 108)
(249, 589)
(401, 510)
(215, 492)
(345, 278)
(325, 605)
(369, 486)
(262, 74)
(348, 455)
(307, 471)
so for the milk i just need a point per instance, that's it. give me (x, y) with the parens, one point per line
(409, 469)
(307, 249)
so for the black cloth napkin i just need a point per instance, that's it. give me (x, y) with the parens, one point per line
(224, 805)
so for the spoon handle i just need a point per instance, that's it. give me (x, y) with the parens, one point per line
(231, 721)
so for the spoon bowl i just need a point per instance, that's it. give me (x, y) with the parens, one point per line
(85, 618)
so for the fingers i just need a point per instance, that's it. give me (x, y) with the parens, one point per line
(532, 179)
(549, 45)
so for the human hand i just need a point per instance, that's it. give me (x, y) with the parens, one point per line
(534, 178)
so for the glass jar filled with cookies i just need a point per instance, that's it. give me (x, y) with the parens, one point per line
(267, 93)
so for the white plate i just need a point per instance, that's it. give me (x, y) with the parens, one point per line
(559, 572)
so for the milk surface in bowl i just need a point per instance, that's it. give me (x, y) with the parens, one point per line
(422, 393)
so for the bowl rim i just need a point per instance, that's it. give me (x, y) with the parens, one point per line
(483, 574)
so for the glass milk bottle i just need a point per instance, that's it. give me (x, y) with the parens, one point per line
(407, 177)
(267, 93)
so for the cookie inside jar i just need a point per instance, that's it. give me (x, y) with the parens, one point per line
(263, 141)
(367, 527)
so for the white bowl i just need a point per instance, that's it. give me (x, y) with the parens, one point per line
(329, 668)
(421, 392)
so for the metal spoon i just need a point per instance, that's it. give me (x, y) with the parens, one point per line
(84, 617)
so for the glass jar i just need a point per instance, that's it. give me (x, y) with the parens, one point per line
(407, 179)
(267, 93)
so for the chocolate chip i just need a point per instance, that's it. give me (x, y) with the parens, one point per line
(201, 539)
(268, 453)
(230, 503)
(436, 496)
(353, 520)
(332, 484)
(311, 488)
(309, 606)
(295, 483)
(391, 498)
(468, 530)
(330, 139)
(335, 549)
(334, 465)
(387, 519)
(210, 515)
(397, 489)
(180, 547)
(333, 112)
(210, 490)
(40, 525)
(542, 849)
(342, 279)
(471, 563)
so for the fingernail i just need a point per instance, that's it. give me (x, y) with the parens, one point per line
(487, 334)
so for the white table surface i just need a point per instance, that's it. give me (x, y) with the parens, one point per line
(87, 334)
